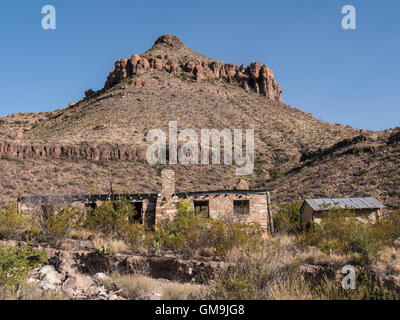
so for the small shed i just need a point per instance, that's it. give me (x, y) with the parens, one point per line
(312, 209)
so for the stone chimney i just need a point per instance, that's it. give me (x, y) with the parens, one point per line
(242, 185)
(168, 183)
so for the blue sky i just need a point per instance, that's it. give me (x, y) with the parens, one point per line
(341, 76)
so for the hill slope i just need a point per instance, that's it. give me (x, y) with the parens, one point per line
(102, 137)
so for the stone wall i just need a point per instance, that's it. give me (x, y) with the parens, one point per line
(165, 205)
(220, 207)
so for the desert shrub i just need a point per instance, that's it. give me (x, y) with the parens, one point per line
(15, 262)
(342, 232)
(276, 173)
(388, 230)
(255, 273)
(288, 218)
(56, 228)
(13, 224)
(271, 271)
(366, 289)
(110, 218)
(33, 233)
(184, 234)
(225, 235)
(126, 209)
(194, 233)
(134, 287)
(135, 235)
(182, 291)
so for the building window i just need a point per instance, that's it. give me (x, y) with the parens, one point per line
(202, 207)
(241, 207)
(138, 212)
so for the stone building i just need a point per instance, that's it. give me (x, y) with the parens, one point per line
(238, 205)
(314, 209)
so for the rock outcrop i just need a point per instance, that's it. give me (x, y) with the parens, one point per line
(122, 152)
(257, 76)
(89, 93)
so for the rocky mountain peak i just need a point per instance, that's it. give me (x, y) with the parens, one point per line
(169, 54)
(169, 39)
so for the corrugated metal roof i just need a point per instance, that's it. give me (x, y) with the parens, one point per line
(342, 203)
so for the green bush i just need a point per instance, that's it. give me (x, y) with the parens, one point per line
(226, 235)
(14, 225)
(342, 232)
(135, 235)
(110, 218)
(15, 262)
(56, 228)
(195, 233)
(388, 230)
(288, 218)
(276, 173)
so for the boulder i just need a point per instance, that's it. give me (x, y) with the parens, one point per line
(153, 296)
(156, 64)
(89, 93)
(137, 83)
(141, 66)
(199, 73)
(49, 278)
(102, 278)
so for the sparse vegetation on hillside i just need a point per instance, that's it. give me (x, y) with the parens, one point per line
(258, 267)
(296, 156)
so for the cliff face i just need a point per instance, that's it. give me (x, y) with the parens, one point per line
(72, 152)
(257, 76)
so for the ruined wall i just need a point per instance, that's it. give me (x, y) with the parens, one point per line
(220, 207)
(36, 207)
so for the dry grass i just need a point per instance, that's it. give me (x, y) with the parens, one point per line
(182, 291)
(136, 287)
(113, 245)
(30, 291)
(389, 260)
(81, 234)
(270, 271)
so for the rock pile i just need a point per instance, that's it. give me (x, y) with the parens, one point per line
(73, 287)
